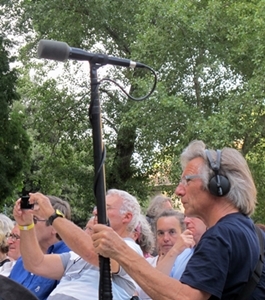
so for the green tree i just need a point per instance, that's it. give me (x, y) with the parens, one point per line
(62, 160)
(209, 59)
(14, 141)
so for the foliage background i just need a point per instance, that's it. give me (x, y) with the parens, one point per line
(209, 59)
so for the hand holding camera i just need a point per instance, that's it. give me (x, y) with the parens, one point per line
(24, 204)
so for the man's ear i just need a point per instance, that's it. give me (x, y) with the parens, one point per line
(54, 232)
(127, 217)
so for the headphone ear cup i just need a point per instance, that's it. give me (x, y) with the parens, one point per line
(219, 185)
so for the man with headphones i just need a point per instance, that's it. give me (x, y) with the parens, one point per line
(217, 187)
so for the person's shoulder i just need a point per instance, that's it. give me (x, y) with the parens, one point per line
(7, 268)
(232, 222)
(232, 228)
(18, 270)
(231, 218)
(187, 253)
(131, 243)
(19, 265)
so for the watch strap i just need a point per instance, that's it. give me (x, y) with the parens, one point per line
(55, 215)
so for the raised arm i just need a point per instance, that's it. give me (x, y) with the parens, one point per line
(156, 284)
(34, 259)
(75, 238)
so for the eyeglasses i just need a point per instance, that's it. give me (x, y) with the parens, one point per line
(36, 220)
(14, 237)
(187, 178)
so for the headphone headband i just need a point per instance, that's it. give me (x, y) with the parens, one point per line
(218, 185)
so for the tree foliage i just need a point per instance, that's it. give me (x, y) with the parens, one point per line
(209, 60)
(14, 141)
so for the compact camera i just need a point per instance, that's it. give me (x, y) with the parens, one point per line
(24, 204)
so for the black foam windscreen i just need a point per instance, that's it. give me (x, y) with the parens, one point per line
(53, 50)
(218, 185)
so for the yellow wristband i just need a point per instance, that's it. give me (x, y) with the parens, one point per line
(26, 227)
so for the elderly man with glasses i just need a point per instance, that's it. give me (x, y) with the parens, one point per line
(49, 242)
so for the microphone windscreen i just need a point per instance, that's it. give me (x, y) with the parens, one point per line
(53, 50)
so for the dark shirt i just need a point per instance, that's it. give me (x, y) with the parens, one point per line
(225, 258)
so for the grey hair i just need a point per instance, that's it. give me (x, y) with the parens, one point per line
(129, 204)
(63, 206)
(243, 192)
(157, 205)
(4, 247)
(146, 240)
(6, 224)
(172, 213)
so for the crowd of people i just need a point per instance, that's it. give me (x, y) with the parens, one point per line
(210, 250)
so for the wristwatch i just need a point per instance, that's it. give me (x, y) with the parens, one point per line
(55, 215)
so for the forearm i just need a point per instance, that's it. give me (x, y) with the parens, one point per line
(156, 284)
(80, 242)
(76, 239)
(166, 262)
(153, 282)
(30, 250)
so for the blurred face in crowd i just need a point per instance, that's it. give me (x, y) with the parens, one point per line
(196, 226)
(114, 203)
(118, 220)
(168, 230)
(14, 243)
(45, 234)
(89, 226)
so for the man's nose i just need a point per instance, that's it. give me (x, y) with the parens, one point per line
(180, 190)
(187, 220)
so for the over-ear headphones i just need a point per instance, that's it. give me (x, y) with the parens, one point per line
(218, 185)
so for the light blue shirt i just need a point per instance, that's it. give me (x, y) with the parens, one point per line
(180, 263)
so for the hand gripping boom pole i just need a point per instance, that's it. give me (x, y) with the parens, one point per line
(105, 291)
